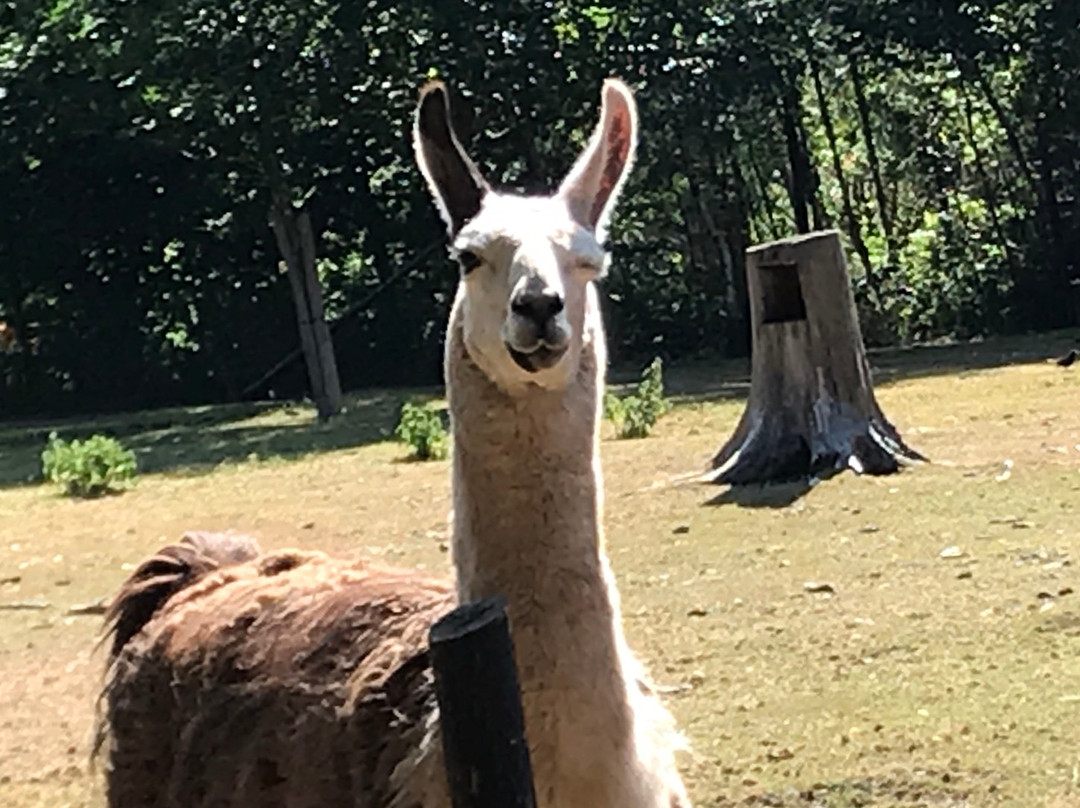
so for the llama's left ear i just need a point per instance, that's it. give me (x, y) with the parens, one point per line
(453, 178)
(593, 184)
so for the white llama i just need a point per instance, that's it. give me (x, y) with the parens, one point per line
(290, 679)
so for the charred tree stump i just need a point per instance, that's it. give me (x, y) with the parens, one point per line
(811, 409)
(483, 728)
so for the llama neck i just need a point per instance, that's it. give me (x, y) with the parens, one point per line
(527, 520)
(528, 511)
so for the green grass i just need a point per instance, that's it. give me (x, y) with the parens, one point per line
(919, 681)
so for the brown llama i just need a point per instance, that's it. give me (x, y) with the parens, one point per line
(247, 680)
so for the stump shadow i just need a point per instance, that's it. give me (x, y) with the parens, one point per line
(779, 494)
(767, 495)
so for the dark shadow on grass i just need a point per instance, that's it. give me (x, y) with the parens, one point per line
(412, 460)
(195, 440)
(772, 495)
(102, 493)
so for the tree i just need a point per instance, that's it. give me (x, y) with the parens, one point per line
(146, 153)
(238, 88)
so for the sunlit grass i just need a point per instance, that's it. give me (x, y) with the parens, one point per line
(919, 680)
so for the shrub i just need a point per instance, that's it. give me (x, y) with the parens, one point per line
(614, 410)
(421, 427)
(635, 415)
(88, 468)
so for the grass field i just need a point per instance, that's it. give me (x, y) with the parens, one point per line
(939, 667)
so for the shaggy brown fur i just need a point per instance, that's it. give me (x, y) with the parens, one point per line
(317, 711)
(166, 573)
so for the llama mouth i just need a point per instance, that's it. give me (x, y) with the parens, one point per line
(536, 360)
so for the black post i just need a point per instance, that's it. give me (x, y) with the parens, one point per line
(483, 729)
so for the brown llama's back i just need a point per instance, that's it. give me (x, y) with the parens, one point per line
(285, 680)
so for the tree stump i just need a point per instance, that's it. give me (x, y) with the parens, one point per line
(811, 409)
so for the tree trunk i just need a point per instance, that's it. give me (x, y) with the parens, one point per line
(996, 307)
(296, 241)
(989, 189)
(799, 188)
(871, 154)
(970, 68)
(853, 228)
(812, 409)
(763, 190)
(725, 223)
(1057, 302)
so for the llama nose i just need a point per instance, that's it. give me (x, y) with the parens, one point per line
(538, 305)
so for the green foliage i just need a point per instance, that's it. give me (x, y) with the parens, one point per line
(614, 410)
(421, 427)
(635, 415)
(88, 468)
(948, 163)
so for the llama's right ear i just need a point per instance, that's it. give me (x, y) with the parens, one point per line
(453, 178)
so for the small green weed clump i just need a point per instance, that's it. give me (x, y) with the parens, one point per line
(421, 427)
(88, 468)
(635, 415)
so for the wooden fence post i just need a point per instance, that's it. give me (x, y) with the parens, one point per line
(296, 242)
(483, 728)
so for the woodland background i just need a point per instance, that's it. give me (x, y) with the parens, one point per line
(142, 146)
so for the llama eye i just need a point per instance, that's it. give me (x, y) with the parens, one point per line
(469, 261)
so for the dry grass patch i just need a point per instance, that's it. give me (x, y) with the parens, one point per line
(935, 660)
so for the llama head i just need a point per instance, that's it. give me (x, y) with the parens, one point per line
(527, 262)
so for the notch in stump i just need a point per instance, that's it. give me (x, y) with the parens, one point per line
(781, 294)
